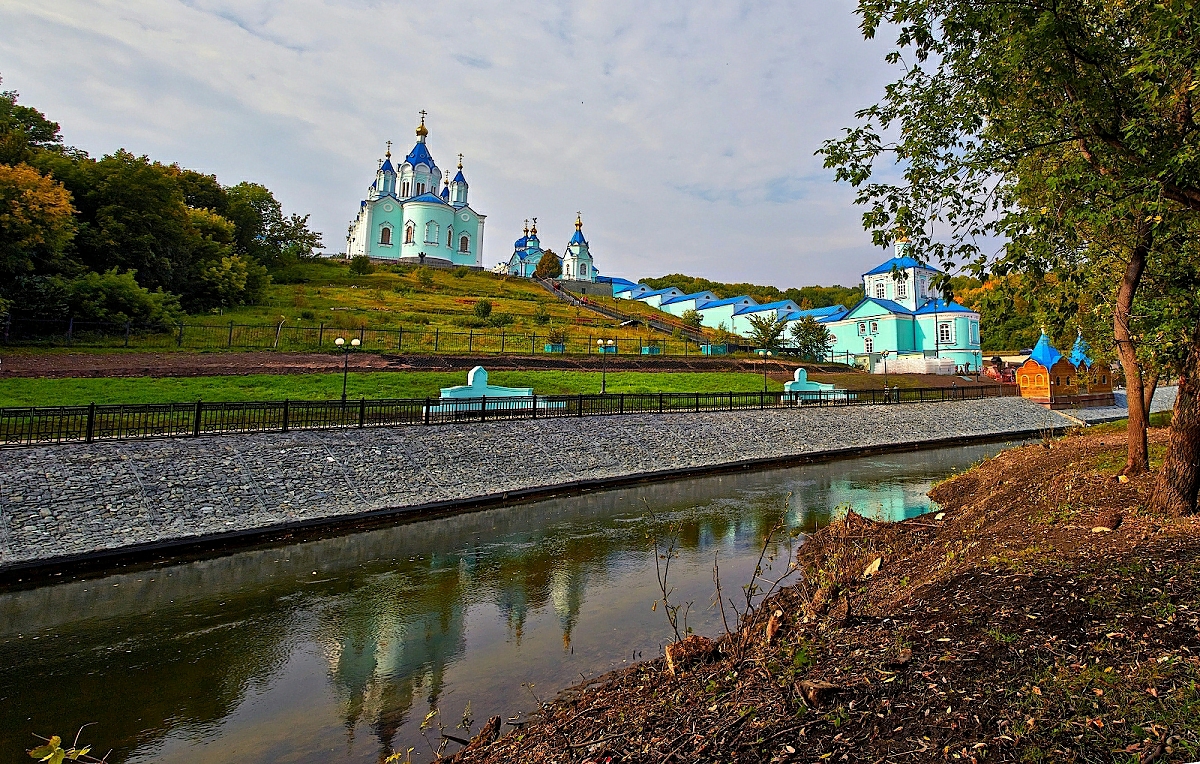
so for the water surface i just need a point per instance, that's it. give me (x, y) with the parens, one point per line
(336, 650)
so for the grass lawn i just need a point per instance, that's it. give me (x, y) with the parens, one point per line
(259, 387)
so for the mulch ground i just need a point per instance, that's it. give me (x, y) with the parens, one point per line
(1007, 630)
(142, 364)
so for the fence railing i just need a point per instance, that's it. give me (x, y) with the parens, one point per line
(93, 423)
(292, 337)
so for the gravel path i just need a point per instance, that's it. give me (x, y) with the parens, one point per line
(77, 499)
(1164, 400)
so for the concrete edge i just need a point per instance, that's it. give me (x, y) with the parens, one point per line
(32, 572)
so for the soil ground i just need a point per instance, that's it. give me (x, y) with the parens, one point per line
(62, 364)
(1007, 630)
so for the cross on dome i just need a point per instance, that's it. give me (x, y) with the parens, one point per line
(389, 149)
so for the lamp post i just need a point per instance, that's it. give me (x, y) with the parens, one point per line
(341, 343)
(603, 346)
(764, 355)
(885, 385)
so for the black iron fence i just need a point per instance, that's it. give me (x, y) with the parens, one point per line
(294, 337)
(92, 423)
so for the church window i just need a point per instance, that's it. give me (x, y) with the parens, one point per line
(879, 289)
(464, 244)
(449, 237)
(1039, 380)
(410, 234)
(1025, 380)
(862, 328)
(583, 268)
(874, 327)
(404, 188)
(385, 236)
(420, 188)
(901, 289)
(945, 332)
(431, 233)
(869, 345)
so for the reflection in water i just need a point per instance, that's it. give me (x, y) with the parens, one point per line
(335, 650)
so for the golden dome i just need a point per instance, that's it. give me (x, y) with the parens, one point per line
(422, 131)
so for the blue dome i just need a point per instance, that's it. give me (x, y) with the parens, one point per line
(445, 192)
(521, 242)
(420, 155)
(577, 238)
(459, 178)
(1045, 353)
(387, 166)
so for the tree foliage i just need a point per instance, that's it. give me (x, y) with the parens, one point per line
(811, 339)
(692, 318)
(549, 266)
(766, 331)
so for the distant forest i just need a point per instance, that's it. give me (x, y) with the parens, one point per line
(805, 297)
(125, 238)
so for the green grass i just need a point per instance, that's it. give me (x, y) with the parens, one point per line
(261, 387)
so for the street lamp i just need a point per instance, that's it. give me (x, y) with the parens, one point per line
(603, 348)
(341, 343)
(885, 386)
(764, 355)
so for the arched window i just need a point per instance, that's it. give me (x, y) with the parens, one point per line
(449, 237)
(1039, 380)
(946, 333)
(385, 236)
(420, 188)
(431, 233)
(879, 289)
(464, 244)
(1025, 380)
(410, 234)
(404, 189)
(869, 345)
(583, 268)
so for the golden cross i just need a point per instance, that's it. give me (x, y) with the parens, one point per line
(389, 148)
(422, 113)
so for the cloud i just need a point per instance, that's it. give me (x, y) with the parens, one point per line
(685, 132)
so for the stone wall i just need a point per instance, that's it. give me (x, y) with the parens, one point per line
(70, 500)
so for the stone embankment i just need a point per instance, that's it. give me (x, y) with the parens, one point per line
(59, 502)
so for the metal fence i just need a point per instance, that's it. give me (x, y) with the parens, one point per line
(293, 337)
(93, 423)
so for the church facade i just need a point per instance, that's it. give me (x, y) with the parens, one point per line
(577, 262)
(406, 219)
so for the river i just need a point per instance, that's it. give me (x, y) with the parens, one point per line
(337, 649)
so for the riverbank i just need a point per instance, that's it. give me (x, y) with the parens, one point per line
(83, 502)
(1010, 629)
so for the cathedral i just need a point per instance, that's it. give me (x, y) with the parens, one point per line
(577, 262)
(405, 219)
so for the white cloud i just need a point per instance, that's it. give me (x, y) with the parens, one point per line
(685, 132)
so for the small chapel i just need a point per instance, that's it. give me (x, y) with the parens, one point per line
(577, 262)
(1058, 382)
(406, 219)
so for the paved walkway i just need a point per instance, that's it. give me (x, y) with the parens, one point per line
(81, 499)
(1164, 400)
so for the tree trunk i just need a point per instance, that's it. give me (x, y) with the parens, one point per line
(1149, 386)
(1178, 480)
(1137, 461)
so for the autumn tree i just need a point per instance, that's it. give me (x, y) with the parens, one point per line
(549, 266)
(1067, 129)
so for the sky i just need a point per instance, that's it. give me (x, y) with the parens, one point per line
(683, 132)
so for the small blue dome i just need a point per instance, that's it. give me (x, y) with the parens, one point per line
(386, 167)
(1045, 353)
(420, 155)
(459, 178)
(577, 238)
(521, 242)
(445, 192)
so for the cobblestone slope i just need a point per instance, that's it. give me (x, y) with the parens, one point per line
(78, 499)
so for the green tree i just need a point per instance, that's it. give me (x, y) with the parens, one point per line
(541, 316)
(264, 232)
(811, 339)
(482, 309)
(360, 265)
(549, 266)
(24, 131)
(37, 223)
(117, 297)
(692, 318)
(1070, 130)
(766, 331)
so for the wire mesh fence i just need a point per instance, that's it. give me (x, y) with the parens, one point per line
(109, 422)
(287, 336)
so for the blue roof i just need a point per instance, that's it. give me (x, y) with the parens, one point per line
(1045, 353)
(459, 178)
(657, 292)
(615, 280)
(520, 243)
(1079, 353)
(387, 166)
(577, 238)
(445, 192)
(420, 155)
(833, 317)
(831, 310)
(777, 305)
(686, 297)
(902, 262)
(427, 197)
(889, 305)
(941, 306)
(728, 301)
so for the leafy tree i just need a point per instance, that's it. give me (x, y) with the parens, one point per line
(723, 336)
(114, 297)
(549, 266)
(811, 339)
(360, 265)
(767, 332)
(482, 309)
(1070, 129)
(202, 192)
(37, 223)
(692, 318)
(541, 316)
(24, 130)
(264, 232)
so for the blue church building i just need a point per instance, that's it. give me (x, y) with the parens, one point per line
(406, 218)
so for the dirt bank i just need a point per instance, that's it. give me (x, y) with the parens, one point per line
(1009, 630)
(142, 364)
